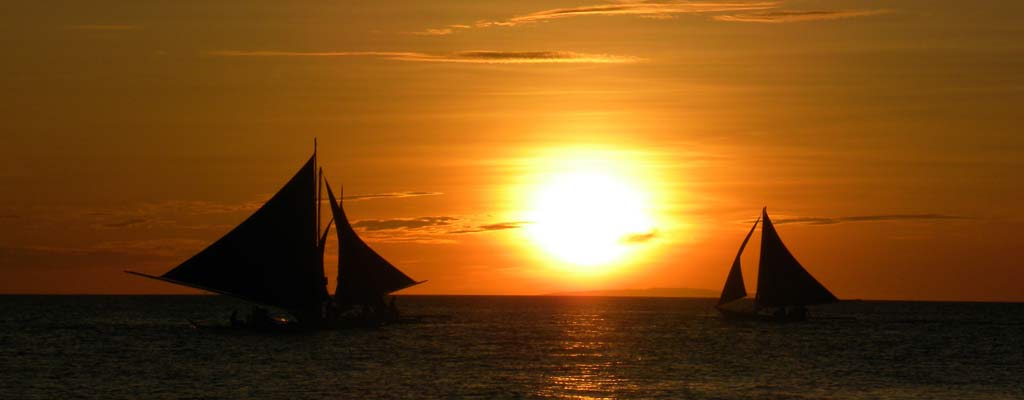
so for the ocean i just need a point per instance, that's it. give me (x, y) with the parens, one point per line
(488, 347)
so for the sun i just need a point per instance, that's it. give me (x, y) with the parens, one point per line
(589, 215)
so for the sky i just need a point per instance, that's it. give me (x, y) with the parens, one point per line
(482, 144)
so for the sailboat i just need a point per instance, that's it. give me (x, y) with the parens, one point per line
(275, 259)
(784, 287)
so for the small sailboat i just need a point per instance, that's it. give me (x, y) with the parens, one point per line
(275, 259)
(784, 287)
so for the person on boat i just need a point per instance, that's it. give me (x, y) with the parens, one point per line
(798, 313)
(392, 308)
(375, 308)
(235, 322)
(259, 318)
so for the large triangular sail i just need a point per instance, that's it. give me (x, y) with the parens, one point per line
(273, 258)
(734, 288)
(781, 280)
(363, 275)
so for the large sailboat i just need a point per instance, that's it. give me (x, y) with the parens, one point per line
(275, 259)
(784, 287)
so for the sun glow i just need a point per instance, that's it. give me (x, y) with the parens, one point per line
(589, 212)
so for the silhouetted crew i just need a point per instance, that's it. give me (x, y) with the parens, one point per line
(392, 308)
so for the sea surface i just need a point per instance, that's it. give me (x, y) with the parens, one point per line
(55, 347)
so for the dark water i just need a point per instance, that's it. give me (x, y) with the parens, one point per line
(513, 347)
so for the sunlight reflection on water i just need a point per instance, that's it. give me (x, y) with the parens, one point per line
(513, 347)
(585, 371)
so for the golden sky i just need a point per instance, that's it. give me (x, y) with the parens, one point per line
(884, 137)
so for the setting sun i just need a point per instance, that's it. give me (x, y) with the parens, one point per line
(589, 215)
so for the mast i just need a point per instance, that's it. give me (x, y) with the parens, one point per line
(318, 178)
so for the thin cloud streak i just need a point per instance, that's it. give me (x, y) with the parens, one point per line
(147, 248)
(427, 228)
(392, 195)
(637, 9)
(636, 238)
(127, 223)
(402, 223)
(500, 226)
(448, 30)
(867, 218)
(780, 17)
(742, 11)
(466, 57)
(93, 27)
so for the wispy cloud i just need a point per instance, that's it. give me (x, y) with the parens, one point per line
(867, 218)
(737, 11)
(392, 195)
(171, 247)
(467, 57)
(448, 30)
(125, 223)
(97, 27)
(420, 230)
(402, 223)
(636, 9)
(429, 230)
(431, 225)
(635, 238)
(167, 214)
(783, 16)
(121, 253)
(490, 227)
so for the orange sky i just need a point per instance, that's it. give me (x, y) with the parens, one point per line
(883, 136)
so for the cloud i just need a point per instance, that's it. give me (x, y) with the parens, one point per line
(466, 57)
(491, 227)
(420, 230)
(448, 30)
(97, 27)
(169, 247)
(122, 253)
(637, 9)
(435, 229)
(749, 11)
(636, 238)
(434, 32)
(393, 195)
(127, 223)
(166, 214)
(867, 218)
(402, 223)
(783, 16)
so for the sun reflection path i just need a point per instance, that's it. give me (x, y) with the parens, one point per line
(588, 361)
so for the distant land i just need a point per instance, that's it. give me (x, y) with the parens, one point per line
(650, 292)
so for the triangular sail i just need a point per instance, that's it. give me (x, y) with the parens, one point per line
(363, 275)
(272, 258)
(734, 288)
(781, 280)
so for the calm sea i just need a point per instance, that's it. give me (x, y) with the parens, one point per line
(513, 347)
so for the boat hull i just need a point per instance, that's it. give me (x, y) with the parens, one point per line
(293, 327)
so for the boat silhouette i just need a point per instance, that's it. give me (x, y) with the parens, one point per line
(275, 259)
(784, 287)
